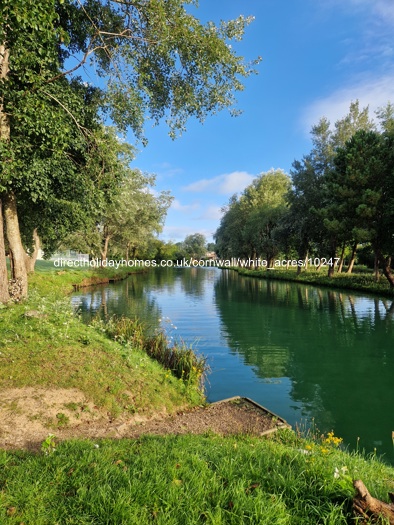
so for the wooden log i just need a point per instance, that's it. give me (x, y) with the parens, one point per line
(367, 507)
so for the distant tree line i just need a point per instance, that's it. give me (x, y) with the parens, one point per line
(337, 202)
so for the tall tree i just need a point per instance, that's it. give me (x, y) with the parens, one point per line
(250, 221)
(326, 142)
(156, 59)
(360, 203)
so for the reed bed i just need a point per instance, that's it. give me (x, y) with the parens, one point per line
(177, 357)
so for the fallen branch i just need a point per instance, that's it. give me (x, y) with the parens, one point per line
(366, 506)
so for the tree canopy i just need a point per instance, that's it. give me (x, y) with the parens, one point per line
(142, 60)
(340, 198)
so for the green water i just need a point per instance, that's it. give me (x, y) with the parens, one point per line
(305, 353)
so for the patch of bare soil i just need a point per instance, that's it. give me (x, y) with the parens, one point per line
(29, 415)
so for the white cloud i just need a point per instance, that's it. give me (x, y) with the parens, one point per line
(175, 233)
(382, 9)
(374, 93)
(213, 213)
(178, 233)
(373, 45)
(165, 169)
(226, 184)
(177, 206)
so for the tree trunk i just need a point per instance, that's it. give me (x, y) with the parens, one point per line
(4, 295)
(31, 259)
(352, 258)
(303, 256)
(4, 135)
(366, 507)
(342, 258)
(19, 273)
(4, 69)
(333, 252)
(376, 268)
(104, 251)
(386, 267)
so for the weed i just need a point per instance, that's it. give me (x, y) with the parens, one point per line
(48, 446)
(71, 406)
(62, 419)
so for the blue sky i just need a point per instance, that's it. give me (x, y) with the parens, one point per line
(318, 56)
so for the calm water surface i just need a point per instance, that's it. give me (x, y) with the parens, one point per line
(303, 352)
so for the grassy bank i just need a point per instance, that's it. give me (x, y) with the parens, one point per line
(361, 282)
(43, 344)
(281, 480)
(187, 480)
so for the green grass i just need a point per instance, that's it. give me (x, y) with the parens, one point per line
(172, 480)
(44, 344)
(185, 480)
(357, 281)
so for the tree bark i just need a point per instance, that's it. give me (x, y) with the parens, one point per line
(367, 507)
(302, 256)
(376, 268)
(341, 260)
(31, 259)
(4, 135)
(4, 69)
(4, 294)
(333, 252)
(352, 258)
(19, 273)
(386, 267)
(104, 251)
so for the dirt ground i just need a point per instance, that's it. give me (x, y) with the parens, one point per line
(29, 415)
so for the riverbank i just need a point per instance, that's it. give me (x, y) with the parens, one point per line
(359, 282)
(188, 479)
(73, 373)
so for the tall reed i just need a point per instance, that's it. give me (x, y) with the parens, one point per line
(178, 357)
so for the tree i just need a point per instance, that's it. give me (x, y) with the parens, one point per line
(266, 200)
(304, 197)
(311, 198)
(230, 237)
(195, 245)
(361, 193)
(156, 59)
(249, 224)
(134, 216)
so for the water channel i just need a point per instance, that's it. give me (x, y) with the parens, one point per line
(304, 352)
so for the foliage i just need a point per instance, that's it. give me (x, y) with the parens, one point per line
(129, 217)
(195, 245)
(153, 59)
(341, 199)
(248, 227)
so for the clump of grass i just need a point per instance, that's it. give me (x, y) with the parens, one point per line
(181, 359)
